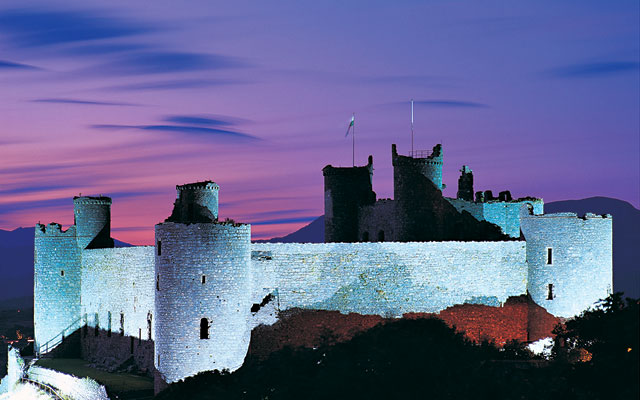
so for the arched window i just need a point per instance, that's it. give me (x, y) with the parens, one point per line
(204, 328)
(381, 236)
(365, 237)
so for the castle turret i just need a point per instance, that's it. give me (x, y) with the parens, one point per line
(93, 222)
(465, 184)
(196, 202)
(57, 276)
(408, 169)
(345, 191)
(203, 287)
(569, 259)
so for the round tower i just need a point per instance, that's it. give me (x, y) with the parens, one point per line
(92, 217)
(407, 170)
(203, 291)
(196, 202)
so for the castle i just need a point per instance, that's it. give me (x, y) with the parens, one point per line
(189, 303)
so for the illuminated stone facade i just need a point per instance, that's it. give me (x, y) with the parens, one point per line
(189, 303)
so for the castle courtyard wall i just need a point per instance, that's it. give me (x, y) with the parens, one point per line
(118, 286)
(390, 279)
(505, 214)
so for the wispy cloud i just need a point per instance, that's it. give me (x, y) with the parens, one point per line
(440, 103)
(4, 64)
(207, 120)
(174, 84)
(593, 70)
(82, 102)
(183, 129)
(46, 27)
(162, 62)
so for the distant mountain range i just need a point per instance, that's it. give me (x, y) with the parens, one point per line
(16, 247)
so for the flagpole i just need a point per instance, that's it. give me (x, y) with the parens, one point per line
(411, 127)
(353, 140)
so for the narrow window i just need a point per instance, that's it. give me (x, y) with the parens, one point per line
(61, 273)
(121, 324)
(159, 247)
(139, 336)
(549, 256)
(204, 328)
(204, 279)
(381, 236)
(550, 292)
(158, 282)
(109, 324)
(97, 320)
(365, 237)
(149, 319)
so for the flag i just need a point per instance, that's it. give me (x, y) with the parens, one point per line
(353, 121)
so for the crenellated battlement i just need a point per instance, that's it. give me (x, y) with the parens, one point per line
(204, 185)
(54, 229)
(99, 200)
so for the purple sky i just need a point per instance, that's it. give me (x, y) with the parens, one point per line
(128, 100)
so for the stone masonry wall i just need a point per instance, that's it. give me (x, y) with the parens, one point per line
(57, 282)
(118, 287)
(504, 214)
(203, 272)
(580, 269)
(390, 279)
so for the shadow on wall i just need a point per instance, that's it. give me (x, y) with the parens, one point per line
(116, 352)
(107, 351)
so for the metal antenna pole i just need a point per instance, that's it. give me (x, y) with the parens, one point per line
(411, 127)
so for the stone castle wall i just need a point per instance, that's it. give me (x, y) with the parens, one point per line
(57, 285)
(581, 266)
(506, 215)
(118, 305)
(390, 279)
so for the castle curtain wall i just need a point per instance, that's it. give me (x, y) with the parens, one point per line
(118, 287)
(390, 279)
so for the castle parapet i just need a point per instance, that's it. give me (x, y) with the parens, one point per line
(54, 229)
(196, 202)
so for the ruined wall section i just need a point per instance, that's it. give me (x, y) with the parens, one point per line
(505, 214)
(391, 279)
(118, 301)
(345, 191)
(574, 255)
(57, 282)
(203, 271)
(378, 223)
